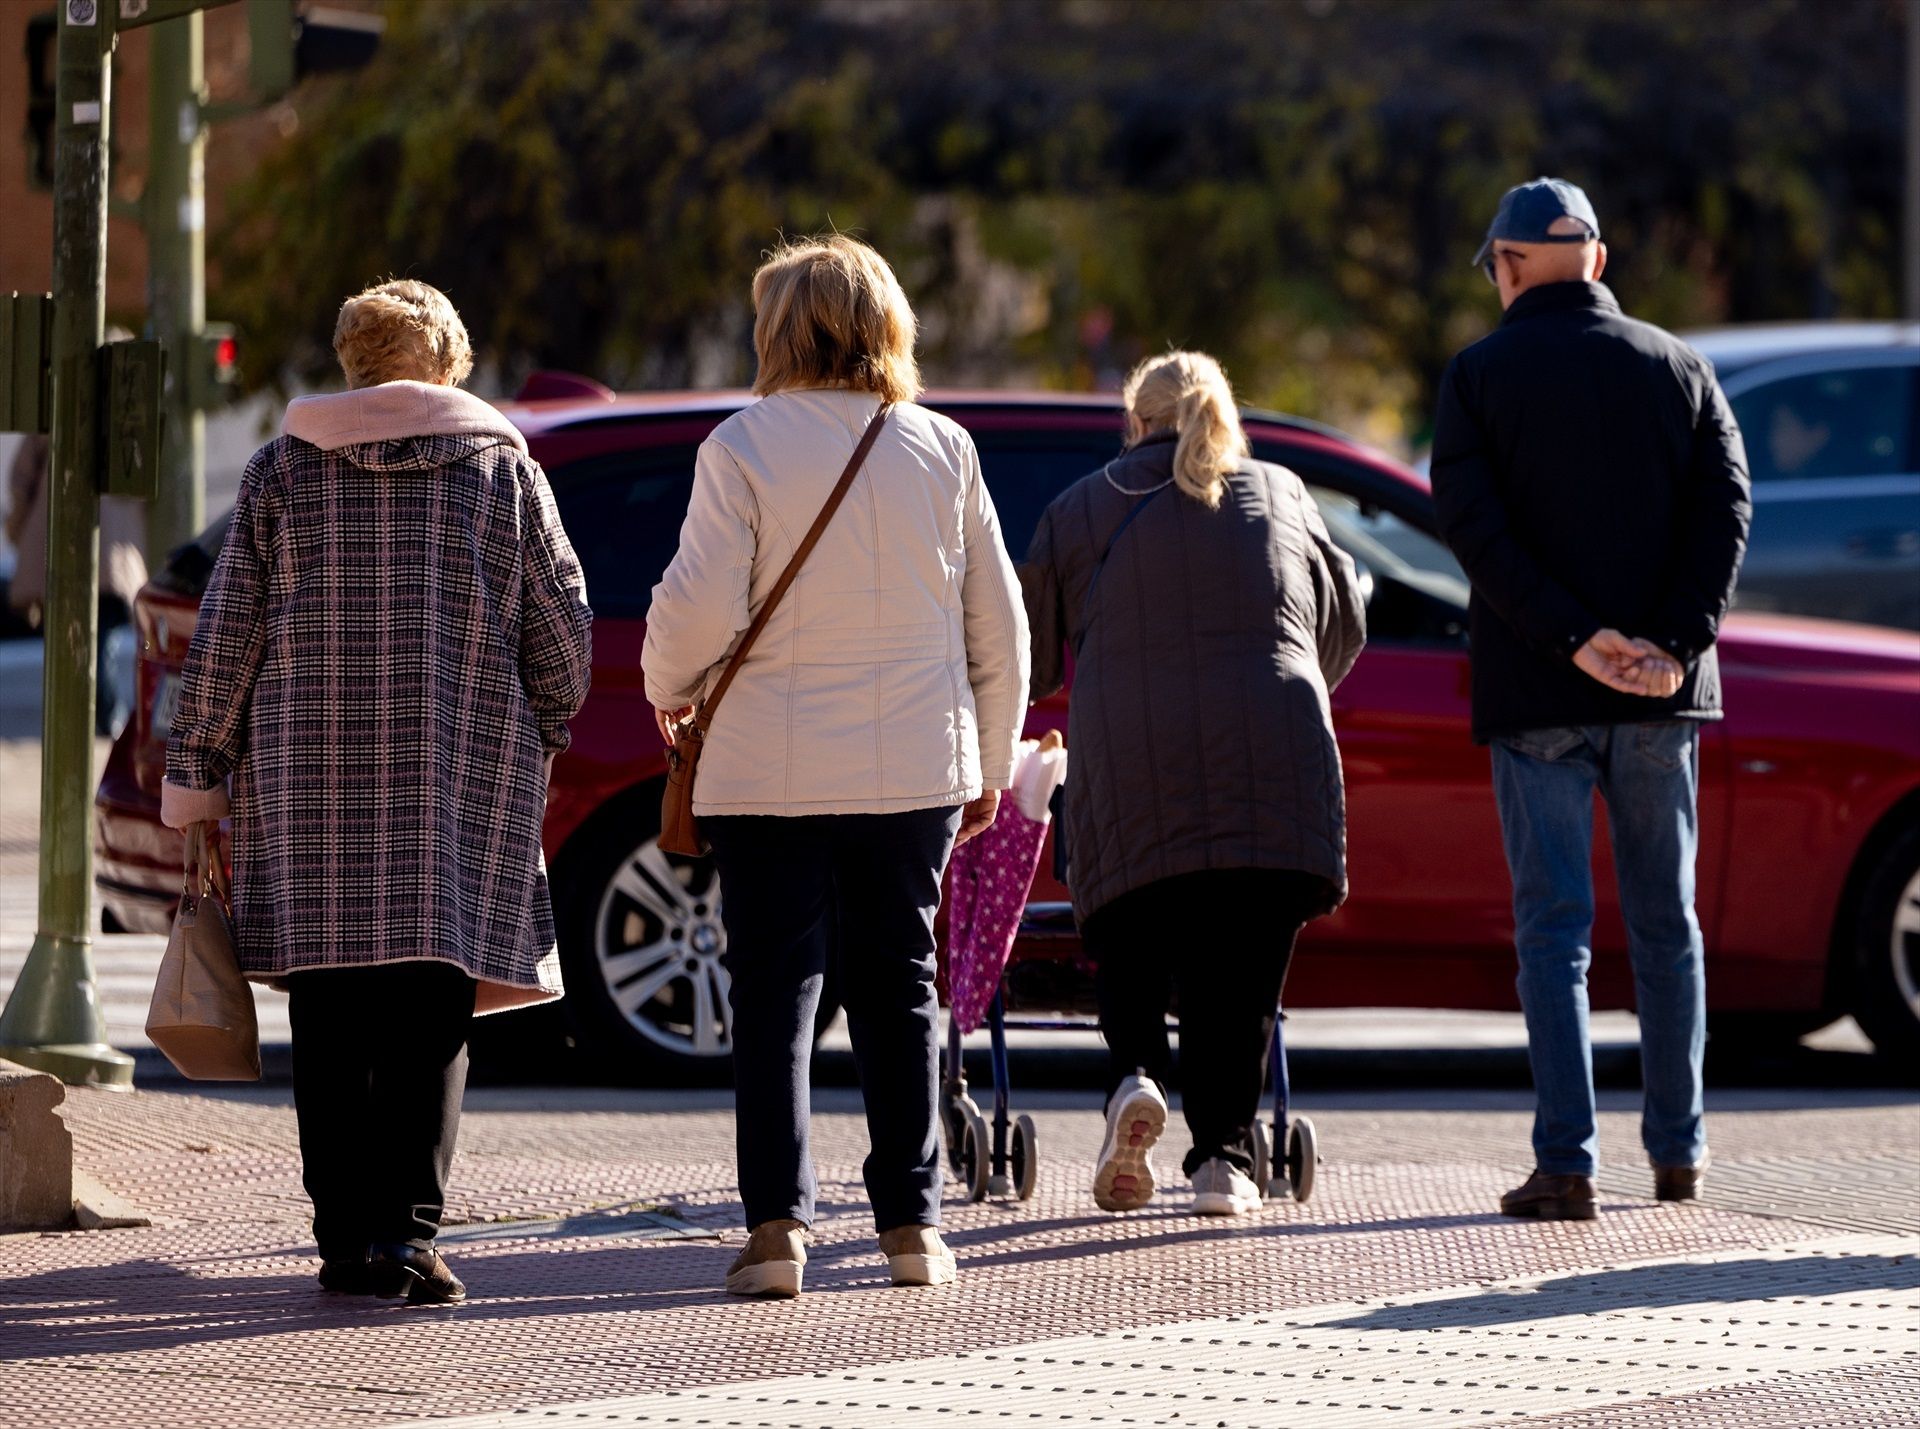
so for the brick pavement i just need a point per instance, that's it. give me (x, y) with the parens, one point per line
(210, 1318)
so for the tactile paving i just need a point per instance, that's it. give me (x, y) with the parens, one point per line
(1600, 1343)
(211, 1316)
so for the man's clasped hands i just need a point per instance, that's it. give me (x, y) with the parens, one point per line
(1630, 665)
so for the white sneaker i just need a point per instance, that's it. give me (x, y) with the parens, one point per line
(1221, 1188)
(1123, 1176)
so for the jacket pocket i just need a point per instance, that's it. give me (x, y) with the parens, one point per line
(1545, 745)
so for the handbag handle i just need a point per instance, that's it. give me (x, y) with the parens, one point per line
(703, 717)
(198, 880)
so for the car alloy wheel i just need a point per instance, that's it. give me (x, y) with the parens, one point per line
(658, 942)
(1886, 974)
(1903, 945)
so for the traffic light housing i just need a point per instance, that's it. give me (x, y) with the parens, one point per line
(290, 42)
(42, 31)
(213, 367)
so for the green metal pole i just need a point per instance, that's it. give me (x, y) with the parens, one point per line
(52, 1020)
(176, 209)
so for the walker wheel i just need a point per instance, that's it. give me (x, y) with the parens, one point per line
(1263, 1157)
(1026, 1158)
(976, 1155)
(1303, 1157)
(955, 1110)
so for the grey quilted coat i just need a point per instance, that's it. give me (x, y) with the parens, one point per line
(394, 639)
(1200, 734)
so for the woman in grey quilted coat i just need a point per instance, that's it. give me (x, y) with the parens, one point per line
(385, 661)
(1207, 613)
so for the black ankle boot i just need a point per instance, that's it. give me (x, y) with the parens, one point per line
(421, 1275)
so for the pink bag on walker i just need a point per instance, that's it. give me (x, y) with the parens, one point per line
(990, 878)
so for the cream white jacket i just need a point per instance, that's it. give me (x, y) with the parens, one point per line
(894, 673)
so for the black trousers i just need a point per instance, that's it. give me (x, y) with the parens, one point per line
(1219, 941)
(861, 889)
(379, 1067)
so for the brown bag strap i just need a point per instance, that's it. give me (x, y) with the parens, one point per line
(703, 717)
(198, 875)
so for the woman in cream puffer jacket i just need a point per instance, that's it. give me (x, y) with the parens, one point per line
(872, 723)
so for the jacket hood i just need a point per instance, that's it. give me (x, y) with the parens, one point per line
(394, 411)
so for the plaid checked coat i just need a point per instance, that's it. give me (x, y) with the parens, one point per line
(393, 641)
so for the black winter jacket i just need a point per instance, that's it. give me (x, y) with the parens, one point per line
(1200, 733)
(1588, 473)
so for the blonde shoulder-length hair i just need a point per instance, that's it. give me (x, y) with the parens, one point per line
(828, 312)
(1189, 393)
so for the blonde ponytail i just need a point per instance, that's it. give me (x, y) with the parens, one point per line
(1188, 392)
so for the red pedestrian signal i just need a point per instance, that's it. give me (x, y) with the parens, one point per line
(214, 371)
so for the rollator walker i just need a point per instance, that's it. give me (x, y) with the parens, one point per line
(1037, 973)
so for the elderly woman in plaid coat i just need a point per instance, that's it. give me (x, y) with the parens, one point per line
(394, 639)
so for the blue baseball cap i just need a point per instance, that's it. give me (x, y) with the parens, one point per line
(1528, 212)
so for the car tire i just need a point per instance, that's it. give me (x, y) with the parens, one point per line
(1886, 969)
(640, 948)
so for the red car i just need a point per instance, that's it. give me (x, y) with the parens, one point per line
(1809, 887)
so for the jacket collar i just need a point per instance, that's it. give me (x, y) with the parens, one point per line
(395, 410)
(1560, 298)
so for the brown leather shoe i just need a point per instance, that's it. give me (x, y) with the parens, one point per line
(423, 1276)
(1551, 1198)
(1680, 1183)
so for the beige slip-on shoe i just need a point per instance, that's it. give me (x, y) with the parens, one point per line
(917, 1256)
(771, 1263)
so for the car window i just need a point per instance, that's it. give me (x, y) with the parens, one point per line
(1846, 422)
(623, 513)
(1024, 477)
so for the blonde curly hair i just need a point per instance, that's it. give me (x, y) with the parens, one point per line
(401, 331)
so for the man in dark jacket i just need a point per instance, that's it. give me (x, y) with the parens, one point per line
(1588, 474)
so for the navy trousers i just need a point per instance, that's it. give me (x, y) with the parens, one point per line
(861, 889)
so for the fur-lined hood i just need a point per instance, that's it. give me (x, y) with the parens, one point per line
(393, 411)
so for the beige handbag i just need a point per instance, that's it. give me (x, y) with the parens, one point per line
(202, 1010)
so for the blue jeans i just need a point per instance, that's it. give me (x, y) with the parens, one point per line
(1649, 774)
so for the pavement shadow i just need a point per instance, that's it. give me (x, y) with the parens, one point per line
(149, 1305)
(1182, 1228)
(1654, 1287)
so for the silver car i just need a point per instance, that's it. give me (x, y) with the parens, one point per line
(1831, 416)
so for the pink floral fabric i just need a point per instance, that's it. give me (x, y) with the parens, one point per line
(990, 879)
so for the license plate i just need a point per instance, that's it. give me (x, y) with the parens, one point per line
(166, 702)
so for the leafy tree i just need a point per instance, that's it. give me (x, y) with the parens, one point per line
(1296, 185)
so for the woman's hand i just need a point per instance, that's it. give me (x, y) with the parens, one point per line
(667, 719)
(977, 817)
(219, 849)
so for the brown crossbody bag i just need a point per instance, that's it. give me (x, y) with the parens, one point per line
(679, 833)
